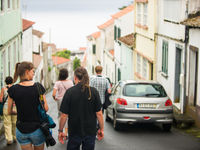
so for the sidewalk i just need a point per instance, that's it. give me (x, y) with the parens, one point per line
(1, 130)
(185, 123)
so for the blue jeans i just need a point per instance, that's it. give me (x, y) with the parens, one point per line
(36, 138)
(74, 142)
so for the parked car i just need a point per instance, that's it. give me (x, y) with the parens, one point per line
(140, 101)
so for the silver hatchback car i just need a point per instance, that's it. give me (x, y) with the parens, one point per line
(140, 101)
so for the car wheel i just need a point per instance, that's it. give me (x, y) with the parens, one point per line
(167, 127)
(116, 124)
(107, 118)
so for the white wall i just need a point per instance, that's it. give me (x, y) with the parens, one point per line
(168, 82)
(126, 24)
(170, 29)
(194, 38)
(127, 63)
(36, 43)
(176, 31)
(27, 45)
(109, 67)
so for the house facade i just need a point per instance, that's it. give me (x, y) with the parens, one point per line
(10, 38)
(38, 56)
(93, 49)
(193, 62)
(171, 49)
(123, 26)
(107, 51)
(126, 56)
(144, 55)
(27, 40)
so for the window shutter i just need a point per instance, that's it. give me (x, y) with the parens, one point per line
(119, 74)
(119, 32)
(115, 33)
(163, 57)
(94, 49)
(166, 58)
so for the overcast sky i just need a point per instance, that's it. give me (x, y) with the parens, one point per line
(69, 21)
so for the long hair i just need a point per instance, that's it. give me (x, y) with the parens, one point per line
(82, 75)
(20, 69)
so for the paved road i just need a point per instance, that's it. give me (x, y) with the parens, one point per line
(131, 137)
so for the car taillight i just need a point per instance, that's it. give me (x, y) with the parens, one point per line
(121, 101)
(168, 103)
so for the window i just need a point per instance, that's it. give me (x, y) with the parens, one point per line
(144, 90)
(165, 57)
(14, 54)
(145, 14)
(17, 3)
(18, 48)
(115, 33)
(13, 4)
(8, 4)
(119, 74)
(2, 5)
(9, 60)
(138, 63)
(119, 33)
(94, 49)
(139, 13)
(145, 68)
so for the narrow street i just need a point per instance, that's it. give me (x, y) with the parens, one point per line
(131, 137)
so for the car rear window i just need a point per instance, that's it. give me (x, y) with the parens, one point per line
(144, 90)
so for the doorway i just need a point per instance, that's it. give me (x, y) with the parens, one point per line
(193, 75)
(177, 75)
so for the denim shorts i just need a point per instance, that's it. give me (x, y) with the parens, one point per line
(36, 138)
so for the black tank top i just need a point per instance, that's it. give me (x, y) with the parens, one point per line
(27, 100)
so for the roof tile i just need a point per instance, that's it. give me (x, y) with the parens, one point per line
(106, 24)
(39, 34)
(192, 22)
(112, 52)
(128, 39)
(27, 24)
(59, 60)
(123, 11)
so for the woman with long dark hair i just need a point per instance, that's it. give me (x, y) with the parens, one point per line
(59, 89)
(82, 105)
(26, 97)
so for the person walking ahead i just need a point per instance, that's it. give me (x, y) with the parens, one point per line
(82, 105)
(60, 88)
(9, 120)
(100, 83)
(26, 97)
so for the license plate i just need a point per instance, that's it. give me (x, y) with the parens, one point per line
(146, 105)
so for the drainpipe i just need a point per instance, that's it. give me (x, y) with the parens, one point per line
(185, 60)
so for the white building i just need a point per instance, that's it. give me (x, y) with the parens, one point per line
(107, 51)
(123, 25)
(193, 61)
(93, 51)
(27, 41)
(38, 56)
(171, 49)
